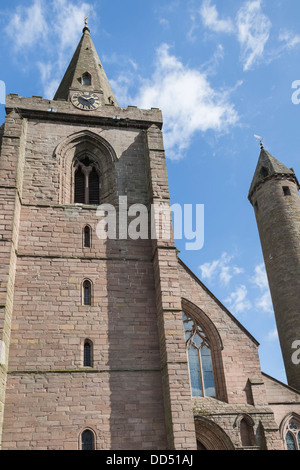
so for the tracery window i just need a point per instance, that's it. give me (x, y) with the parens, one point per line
(86, 182)
(199, 358)
(292, 434)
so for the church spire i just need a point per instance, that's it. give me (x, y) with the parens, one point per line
(85, 73)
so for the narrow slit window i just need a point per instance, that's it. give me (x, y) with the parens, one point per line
(87, 293)
(87, 354)
(87, 440)
(87, 237)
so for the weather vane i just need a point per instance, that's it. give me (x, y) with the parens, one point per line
(260, 140)
(85, 20)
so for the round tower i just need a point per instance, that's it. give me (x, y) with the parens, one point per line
(274, 194)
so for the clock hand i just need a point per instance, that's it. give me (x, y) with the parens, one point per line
(85, 99)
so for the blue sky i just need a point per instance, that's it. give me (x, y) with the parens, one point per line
(221, 71)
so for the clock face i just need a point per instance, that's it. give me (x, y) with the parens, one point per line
(85, 101)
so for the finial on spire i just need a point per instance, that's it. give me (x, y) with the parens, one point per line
(260, 141)
(86, 28)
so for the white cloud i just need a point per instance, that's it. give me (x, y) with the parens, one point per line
(272, 335)
(121, 86)
(44, 24)
(164, 22)
(289, 39)
(187, 100)
(222, 269)
(260, 280)
(253, 32)
(265, 302)
(211, 66)
(69, 17)
(50, 84)
(238, 301)
(251, 28)
(27, 26)
(211, 20)
(260, 277)
(209, 270)
(287, 42)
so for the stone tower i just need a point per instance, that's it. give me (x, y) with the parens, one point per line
(274, 194)
(91, 355)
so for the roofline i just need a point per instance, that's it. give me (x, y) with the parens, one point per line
(281, 383)
(219, 303)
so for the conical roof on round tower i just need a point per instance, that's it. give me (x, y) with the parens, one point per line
(269, 167)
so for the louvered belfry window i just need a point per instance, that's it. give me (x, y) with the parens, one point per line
(79, 186)
(86, 182)
(94, 190)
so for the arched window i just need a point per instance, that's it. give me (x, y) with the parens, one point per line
(86, 79)
(87, 293)
(87, 235)
(87, 440)
(246, 431)
(86, 182)
(290, 441)
(199, 357)
(292, 434)
(88, 353)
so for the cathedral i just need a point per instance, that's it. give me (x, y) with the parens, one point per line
(112, 343)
